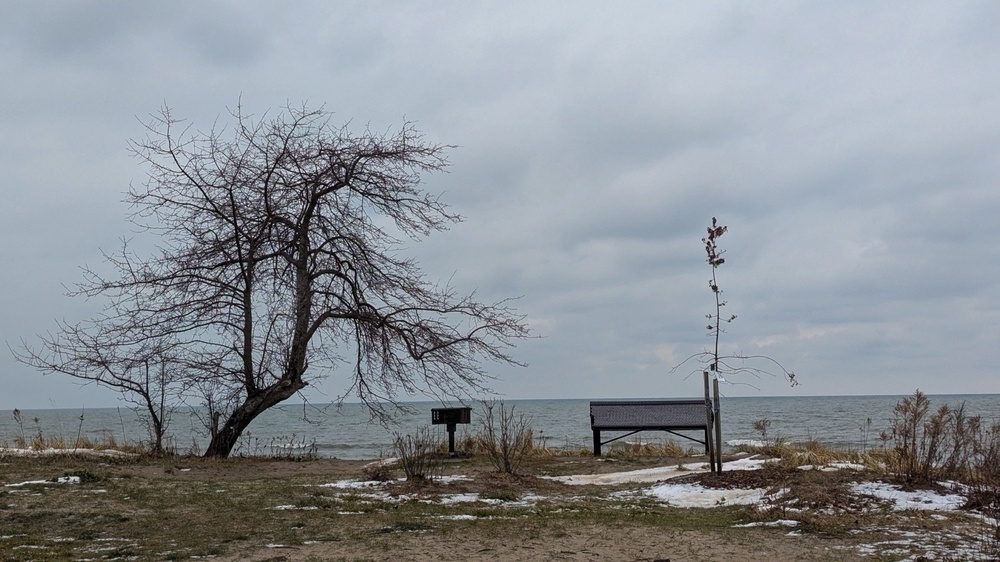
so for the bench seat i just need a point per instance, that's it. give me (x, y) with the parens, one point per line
(649, 415)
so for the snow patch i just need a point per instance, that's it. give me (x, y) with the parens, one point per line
(927, 500)
(778, 523)
(745, 443)
(353, 484)
(50, 452)
(60, 480)
(460, 498)
(690, 495)
(657, 474)
(833, 467)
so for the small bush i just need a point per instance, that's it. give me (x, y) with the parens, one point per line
(380, 471)
(416, 454)
(761, 426)
(506, 436)
(19, 441)
(930, 446)
(984, 486)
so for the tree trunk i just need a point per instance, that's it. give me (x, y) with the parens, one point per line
(225, 438)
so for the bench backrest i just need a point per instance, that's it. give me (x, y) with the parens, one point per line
(648, 414)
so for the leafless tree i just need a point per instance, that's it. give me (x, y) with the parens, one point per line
(722, 365)
(279, 262)
(144, 372)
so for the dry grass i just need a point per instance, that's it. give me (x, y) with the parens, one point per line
(40, 442)
(638, 448)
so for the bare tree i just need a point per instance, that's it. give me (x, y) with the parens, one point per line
(722, 365)
(144, 372)
(279, 262)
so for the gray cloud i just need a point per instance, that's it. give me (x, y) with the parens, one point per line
(850, 147)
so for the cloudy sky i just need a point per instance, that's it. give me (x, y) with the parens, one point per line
(853, 149)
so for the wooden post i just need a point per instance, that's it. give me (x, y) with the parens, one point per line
(718, 426)
(710, 449)
(597, 442)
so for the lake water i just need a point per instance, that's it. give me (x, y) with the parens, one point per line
(347, 431)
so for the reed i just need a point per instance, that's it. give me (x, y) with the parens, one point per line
(42, 439)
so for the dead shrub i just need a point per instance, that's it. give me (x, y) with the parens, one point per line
(931, 447)
(984, 487)
(506, 436)
(762, 426)
(379, 471)
(416, 454)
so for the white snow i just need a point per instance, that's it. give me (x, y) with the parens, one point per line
(50, 452)
(60, 480)
(746, 442)
(749, 463)
(927, 500)
(639, 476)
(833, 466)
(460, 498)
(450, 479)
(681, 494)
(656, 474)
(778, 523)
(847, 465)
(353, 484)
(690, 495)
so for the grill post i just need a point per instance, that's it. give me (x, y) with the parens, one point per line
(451, 439)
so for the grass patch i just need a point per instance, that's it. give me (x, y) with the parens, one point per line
(181, 507)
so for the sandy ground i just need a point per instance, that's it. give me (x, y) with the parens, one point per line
(586, 543)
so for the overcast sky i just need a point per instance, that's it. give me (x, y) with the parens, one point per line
(853, 149)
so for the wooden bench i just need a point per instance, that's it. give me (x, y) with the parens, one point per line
(634, 416)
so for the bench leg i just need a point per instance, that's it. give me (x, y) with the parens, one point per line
(597, 442)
